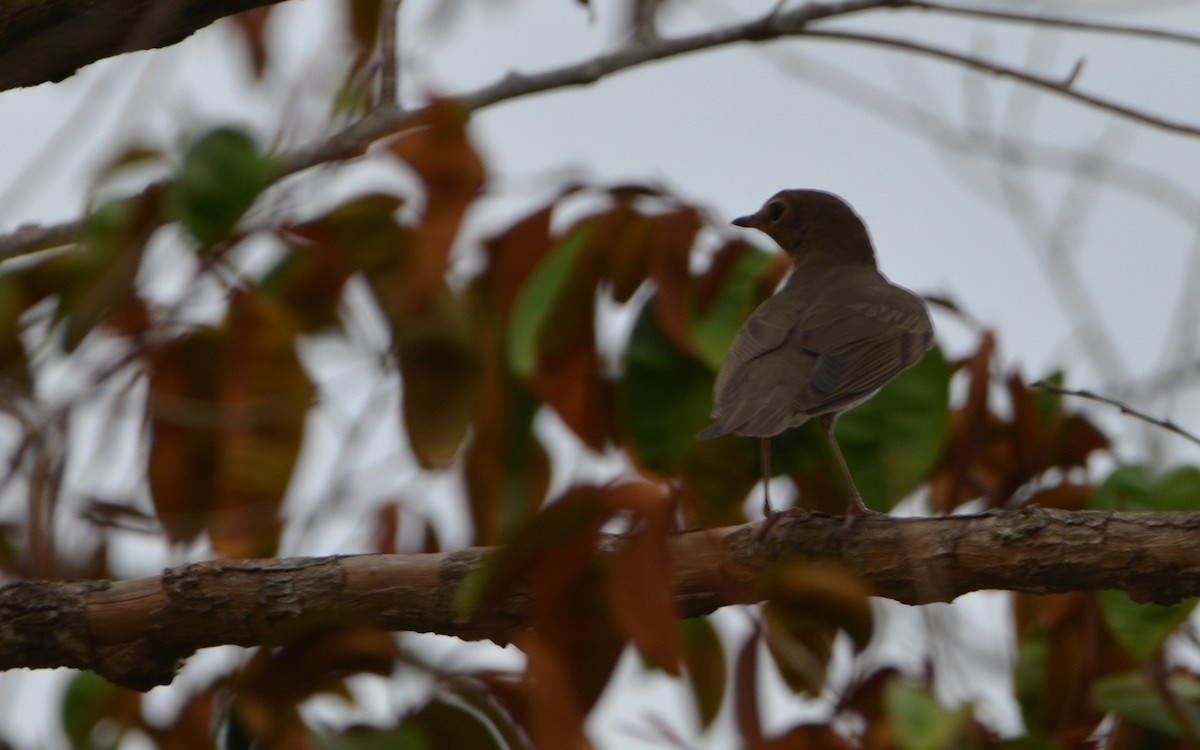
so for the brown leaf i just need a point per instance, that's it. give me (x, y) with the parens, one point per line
(745, 695)
(184, 437)
(227, 411)
(801, 648)
(515, 253)
(253, 27)
(311, 277)
(572, 646)
(571, 384)
(439, 370)
(968, 432)
(507, 467)
(272, 685)
(673, 237)
(639, 583)
(822, 594)
(440, 152)
(264, 400)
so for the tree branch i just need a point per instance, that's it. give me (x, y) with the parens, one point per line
(389, 118)
(135, 632)
(49, 40)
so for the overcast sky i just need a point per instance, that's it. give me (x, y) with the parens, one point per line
(1029, 249)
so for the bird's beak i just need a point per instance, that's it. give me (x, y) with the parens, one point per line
(745, 221)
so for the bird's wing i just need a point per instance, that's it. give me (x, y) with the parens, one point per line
(859, 346)
(756, 379)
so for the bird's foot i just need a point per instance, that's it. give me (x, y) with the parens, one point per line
(856, 510)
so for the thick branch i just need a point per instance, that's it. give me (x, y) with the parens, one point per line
(48, 40)
(135, 632)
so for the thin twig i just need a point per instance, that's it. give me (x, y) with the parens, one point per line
(387, 119)
(1056, 85)
(1166, 424)
(1060, 22)
(389, 79)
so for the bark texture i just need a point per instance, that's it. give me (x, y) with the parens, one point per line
(136, 632)
(49, 40)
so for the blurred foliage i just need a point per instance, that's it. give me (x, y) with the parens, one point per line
(227, 403)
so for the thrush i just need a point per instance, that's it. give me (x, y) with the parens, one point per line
(834, 334)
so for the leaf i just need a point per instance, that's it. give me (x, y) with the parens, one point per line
(715, 324)
(704, 658)
(745, 695)
(222, 174)
(310, 277)
(1134, 488)
(227, 412)
(577, 513)
(1133, 697)
(102, 276)
(515, 254)
(1141, 628)
(439, 150)
(893, 441)
(536, 300)
(664, 397)
(438, 366)
(443, 724)
(507, 468)
(264, 400)
(920, 722)
(673, 236)
(639, 582)
(253, 27)
(806, 605)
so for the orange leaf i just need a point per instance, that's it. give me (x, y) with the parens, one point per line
(441, 154)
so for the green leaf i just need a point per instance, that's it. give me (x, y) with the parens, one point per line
(921, 723)
(1141, 628)
(83, 706)
(536, 299)
(221, 176)
(664, 398)
(1033, 654)
(704, 658)
(1132, 697)
(1134, 488)
(893, 440)
(714, 331)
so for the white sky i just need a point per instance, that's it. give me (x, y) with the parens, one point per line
(728, 128)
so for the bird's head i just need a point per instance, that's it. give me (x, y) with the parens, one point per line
(808, 223)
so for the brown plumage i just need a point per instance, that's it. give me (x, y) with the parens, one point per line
(829, 339)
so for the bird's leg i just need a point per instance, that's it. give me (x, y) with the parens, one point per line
(856, 507)
(764, 450)
(769, 514)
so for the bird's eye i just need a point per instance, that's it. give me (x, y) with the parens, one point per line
(774, 211)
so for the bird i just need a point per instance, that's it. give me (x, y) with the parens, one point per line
(829, 339)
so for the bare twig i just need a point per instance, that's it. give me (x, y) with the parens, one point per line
(389, 79)
(389, 118)
(1166, 424)
(1060, 22)
(1059, 86)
